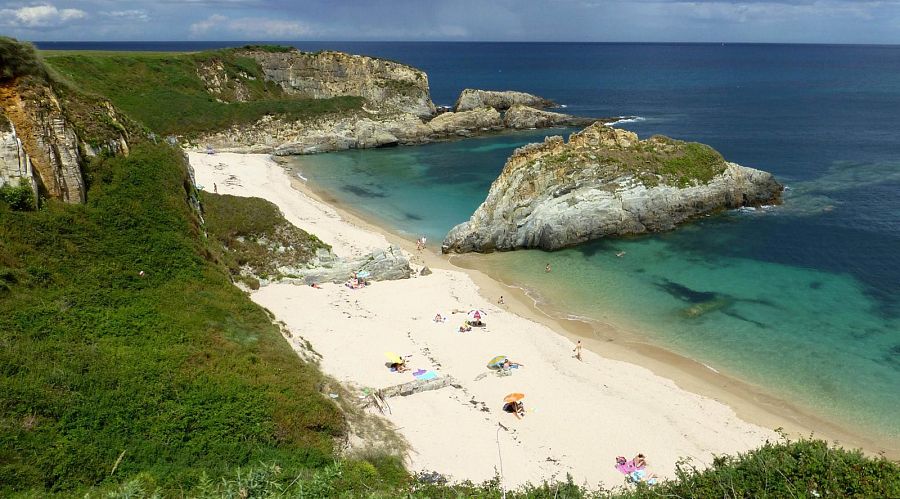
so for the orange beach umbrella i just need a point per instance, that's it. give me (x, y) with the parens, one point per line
(513, 397)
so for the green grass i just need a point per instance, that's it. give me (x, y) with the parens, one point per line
(252, 234)
(657, 160)
(178, 370)
(164, 91)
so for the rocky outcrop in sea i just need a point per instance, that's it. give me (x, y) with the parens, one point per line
(605, 182)
(471, 98)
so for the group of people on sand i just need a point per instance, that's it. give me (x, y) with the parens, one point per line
(635, 469)
(356, 282)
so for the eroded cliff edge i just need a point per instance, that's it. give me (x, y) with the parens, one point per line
(605, 182)
(48, 130)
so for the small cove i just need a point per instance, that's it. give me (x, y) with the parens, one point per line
(802, 299)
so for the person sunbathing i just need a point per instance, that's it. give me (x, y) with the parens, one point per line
(508, 364)
(517, 409)
(465, 328)
(399, 366)
(438, 318)
(639, 461)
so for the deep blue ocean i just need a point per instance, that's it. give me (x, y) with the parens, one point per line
(802, 299)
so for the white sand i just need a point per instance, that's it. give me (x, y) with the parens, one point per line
(581, 415)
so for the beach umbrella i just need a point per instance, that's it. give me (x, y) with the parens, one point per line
(496, 361)
(363, 274)
(476, 315)
(394, 358)
(513, 397)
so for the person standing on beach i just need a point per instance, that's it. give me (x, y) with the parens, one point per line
(578, 350)
(215, 188)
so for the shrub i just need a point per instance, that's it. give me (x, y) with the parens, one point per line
(19, 197)
(18, 59)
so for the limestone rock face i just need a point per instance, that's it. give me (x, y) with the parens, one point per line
(41, 144)
(45, 136)
(464, 122)
(382, 265)
(520, 116)
(14, 162)
(471, 98)
(387, 84)
(605, 182)
(331, 133)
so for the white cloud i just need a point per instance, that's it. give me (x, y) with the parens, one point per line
(259, 28)
(130, 15)
(762, 10)
(40, 16)
(202, 27)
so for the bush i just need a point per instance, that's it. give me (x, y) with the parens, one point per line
(18, 59)
(19, 197)
(805, 468)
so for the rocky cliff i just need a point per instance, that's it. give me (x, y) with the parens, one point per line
(42, 144)
(471, 98)
(520, 116)
(384, 84)
(47, 131)
(605, 182)
(397, 111)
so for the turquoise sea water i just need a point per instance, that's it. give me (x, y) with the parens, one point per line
(802, 299)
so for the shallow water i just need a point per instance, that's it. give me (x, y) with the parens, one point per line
(803, 299)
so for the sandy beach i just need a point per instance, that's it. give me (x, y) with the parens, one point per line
(580, 414)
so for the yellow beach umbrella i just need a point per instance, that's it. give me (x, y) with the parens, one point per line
(496, 361)
(394, 358)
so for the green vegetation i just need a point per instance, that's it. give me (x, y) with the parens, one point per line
(18, 197)
(171, 376)
(807, 468)
(168, 94)
(274, 49)
(657, 160)
(690, 162)
(18, 59)
(253, 235)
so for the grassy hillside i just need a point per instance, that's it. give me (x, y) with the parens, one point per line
(165, 92)
(106, 374)
(253, 237)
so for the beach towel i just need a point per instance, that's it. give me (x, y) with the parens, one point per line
(641, 476)
(426, 376)
(419, 372)
(626, 467)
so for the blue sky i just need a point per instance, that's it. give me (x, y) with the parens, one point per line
(807, 21)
